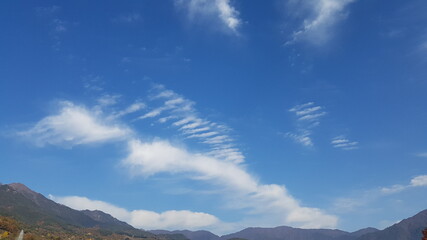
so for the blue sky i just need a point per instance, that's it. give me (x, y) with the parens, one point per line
(219, 114)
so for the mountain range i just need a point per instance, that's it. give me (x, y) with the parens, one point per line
(277, 233)
(407, 229)
(33, 209)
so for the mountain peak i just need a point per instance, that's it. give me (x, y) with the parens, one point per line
(27, 192)
(19, 187)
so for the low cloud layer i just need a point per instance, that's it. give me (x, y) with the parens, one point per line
(170, 220)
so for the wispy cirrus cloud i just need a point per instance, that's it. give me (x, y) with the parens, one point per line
(180, 113)
(215, 12)
(319, 19)
(308, 117)
(134, 107)
(303, 137)
(308, 113)
(341, 142)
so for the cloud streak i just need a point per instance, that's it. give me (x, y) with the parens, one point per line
(219, 12)
(423, 154)
(308, 117)
(180, 113)
(319, 20)
(343, 143)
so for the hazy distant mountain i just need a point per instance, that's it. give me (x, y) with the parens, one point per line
(192, 235)
(408, 229)
(284, 233)
(278, 233)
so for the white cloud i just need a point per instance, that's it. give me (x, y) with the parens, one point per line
(312, 117)
(192, 125)
(203, 135)
(302, 138)
(320, 18)
(74, 125)
(305, 112)
(343, 143)
(217, 140)
(301, 106)
(83, 203)
(173, 219)
(273, 200)
(308, 110)
(308, 117)
(228, 14)
(170, 220)
(419, 181)
(220, 11)
(197, 130)
(154, 113)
